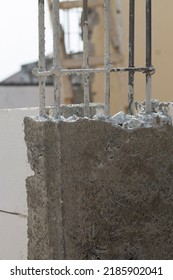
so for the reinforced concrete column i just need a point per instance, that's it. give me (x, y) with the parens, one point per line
(99, 191)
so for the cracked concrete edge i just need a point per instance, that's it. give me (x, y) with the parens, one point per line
(159, 117)
(165, 108)
(78, 110)
(47, 210)
(35, 191)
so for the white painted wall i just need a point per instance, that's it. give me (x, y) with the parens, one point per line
(14, 169)
(23, 96)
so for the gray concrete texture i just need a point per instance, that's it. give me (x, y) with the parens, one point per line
(99, 191)
(68, 110)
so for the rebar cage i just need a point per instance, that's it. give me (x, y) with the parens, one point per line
(57, 71)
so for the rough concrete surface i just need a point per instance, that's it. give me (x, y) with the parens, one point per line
(68, 110)
(99, 191)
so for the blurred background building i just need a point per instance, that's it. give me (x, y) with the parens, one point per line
(20, 90)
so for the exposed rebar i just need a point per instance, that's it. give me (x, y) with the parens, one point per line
(41, 62)
(131, 55)
(107, 55)
(86, 78)
(56, 58)
(148, 54)
(56, 71)
(82, 71)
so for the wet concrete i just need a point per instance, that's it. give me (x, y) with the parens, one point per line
(99, 191)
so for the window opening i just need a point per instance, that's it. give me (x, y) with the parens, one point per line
(72, 32)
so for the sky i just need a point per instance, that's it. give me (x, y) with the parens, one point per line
(19, 34)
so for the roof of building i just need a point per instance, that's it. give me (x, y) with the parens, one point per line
(25, 77)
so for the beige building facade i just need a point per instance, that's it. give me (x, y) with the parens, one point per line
(162, 46)
(162, 55)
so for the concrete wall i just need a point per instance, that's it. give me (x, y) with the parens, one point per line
(14, 169)
(99, 191)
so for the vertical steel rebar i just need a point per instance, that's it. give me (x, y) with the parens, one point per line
(56, 58)
(107, 55)
(119, 25)
(41, 63)
(131, 56)
(107, 66)
(148, 54)
(86, 59)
